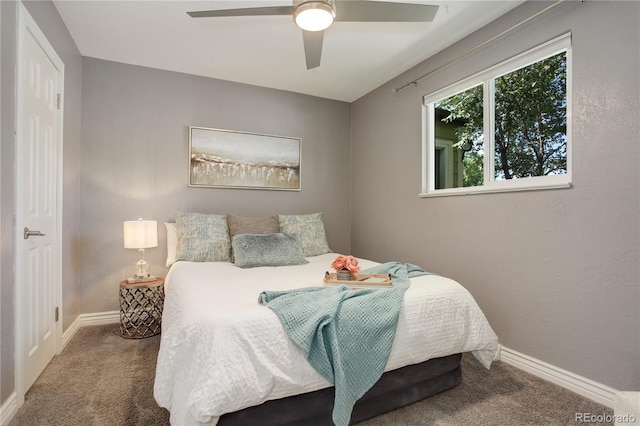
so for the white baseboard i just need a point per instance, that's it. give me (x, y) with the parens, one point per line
(9, 409)
(588, 388)
(98, 318)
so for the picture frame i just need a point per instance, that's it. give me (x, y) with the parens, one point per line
(220, 158)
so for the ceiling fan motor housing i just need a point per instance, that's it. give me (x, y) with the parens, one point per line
(331, 3)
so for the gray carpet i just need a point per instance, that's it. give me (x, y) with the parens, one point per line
(103, 379)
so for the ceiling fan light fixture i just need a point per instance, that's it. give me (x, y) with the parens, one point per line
(314, 15)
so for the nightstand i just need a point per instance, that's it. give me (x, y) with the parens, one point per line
(141, 308)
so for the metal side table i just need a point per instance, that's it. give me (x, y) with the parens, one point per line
(141, 308)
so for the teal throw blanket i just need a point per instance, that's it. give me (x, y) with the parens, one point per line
(346, 334)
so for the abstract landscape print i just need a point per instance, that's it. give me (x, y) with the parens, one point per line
(232, 159)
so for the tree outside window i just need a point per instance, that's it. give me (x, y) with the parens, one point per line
(527, 108)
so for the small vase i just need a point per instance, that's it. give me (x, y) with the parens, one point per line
(343, 275)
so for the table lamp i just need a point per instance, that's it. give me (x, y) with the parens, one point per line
(141, 234)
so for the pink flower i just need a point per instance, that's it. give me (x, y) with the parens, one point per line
(339, 263)
(346, 262)
(352, 265)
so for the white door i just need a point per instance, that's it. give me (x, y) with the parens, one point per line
(37, 202)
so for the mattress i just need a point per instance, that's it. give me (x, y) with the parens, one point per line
(221, 351)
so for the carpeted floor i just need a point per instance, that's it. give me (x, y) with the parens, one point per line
(103, 379)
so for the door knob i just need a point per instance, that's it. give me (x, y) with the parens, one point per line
(28, 233)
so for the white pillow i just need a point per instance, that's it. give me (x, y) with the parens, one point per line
(172, 242)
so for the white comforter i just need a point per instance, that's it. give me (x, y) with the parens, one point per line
(221, 351)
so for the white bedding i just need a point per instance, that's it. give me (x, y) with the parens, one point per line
(221, 351)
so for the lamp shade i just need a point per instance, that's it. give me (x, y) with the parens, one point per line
(140, 234)
(314, 15)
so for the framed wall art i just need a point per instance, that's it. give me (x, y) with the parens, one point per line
(232, 159)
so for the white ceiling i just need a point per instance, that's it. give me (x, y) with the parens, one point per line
(267, 51)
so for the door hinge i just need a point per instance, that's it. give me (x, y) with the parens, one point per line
(59, 100)
(57, 314)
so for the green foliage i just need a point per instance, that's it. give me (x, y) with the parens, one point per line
(466, 107)
(473, 169)
(530, 121)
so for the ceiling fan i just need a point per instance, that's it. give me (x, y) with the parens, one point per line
(314, 16)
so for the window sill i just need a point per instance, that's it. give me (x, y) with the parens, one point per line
(492, 190)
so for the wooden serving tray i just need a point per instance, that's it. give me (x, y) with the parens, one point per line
(360, 280)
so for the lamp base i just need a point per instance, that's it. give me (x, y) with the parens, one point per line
(142, 267)
(133, 280)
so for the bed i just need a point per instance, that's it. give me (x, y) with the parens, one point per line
(225, 359)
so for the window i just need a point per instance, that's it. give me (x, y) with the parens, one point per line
(504, 129)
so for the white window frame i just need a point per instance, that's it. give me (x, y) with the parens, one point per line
(486, 78)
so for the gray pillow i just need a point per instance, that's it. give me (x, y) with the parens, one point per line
(203, 237)
(309, 229)
(252, 225)
(253, 250)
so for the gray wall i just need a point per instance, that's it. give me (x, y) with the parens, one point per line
(556, 272)
(49, 21)
(135, 161)
(7, 83)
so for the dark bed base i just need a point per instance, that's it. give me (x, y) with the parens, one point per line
(395, 389)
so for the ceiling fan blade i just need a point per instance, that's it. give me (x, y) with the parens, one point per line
(377, 11)
(312, 47)
(255, 11)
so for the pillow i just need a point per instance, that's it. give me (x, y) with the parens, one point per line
(172, 242)
(309, 229)
(253, 250)
(252, 225)
(203, 237)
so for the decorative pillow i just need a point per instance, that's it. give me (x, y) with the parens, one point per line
(172, 242)
(309, 230)
(252, 225)
(203, 237)
(253, 250)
